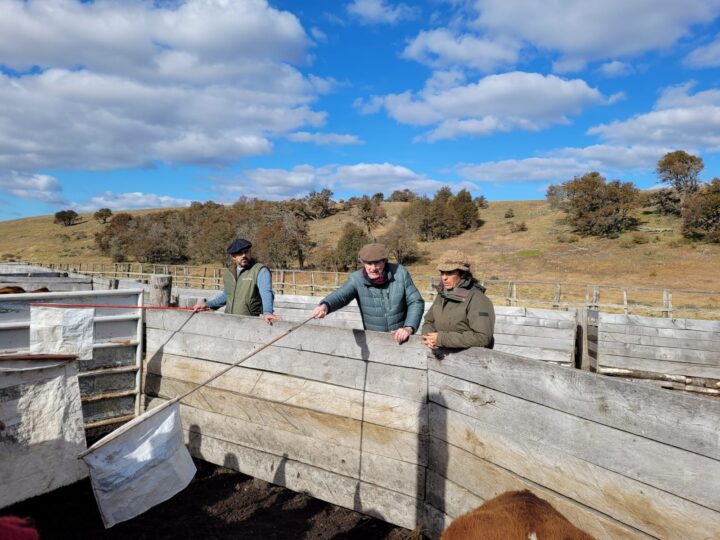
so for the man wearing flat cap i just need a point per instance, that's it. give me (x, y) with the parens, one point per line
(247, 290)
(385, 293)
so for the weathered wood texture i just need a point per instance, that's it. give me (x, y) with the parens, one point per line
(543, 334)
(678, 347)
(354, 419)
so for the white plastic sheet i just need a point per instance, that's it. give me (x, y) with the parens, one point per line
(62, 331)
(140, 465)
(41, 428)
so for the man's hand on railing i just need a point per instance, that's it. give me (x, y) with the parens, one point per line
(200, 306)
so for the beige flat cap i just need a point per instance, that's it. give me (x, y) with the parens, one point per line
(453, 260)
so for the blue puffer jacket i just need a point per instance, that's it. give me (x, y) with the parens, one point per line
(392, 305)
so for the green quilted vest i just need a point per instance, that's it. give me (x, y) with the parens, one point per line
(243, 297)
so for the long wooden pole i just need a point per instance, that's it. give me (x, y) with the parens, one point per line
(148, 414)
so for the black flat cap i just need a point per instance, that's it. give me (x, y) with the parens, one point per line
(238, 245)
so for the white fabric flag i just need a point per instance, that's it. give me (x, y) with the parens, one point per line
(140, 465)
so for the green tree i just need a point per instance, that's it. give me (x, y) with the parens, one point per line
(405, 195)
(102, 215)
(596, 207)
(681, 170)
(371, 213)
(701, 213)
(349, 243)
(400, 241)
(66, 217)
(666, 202)
(464, 210)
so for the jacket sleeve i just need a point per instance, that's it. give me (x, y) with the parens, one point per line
(415, 304)
(341, 297)
(481, 319)
(219, 301)
(429, 324)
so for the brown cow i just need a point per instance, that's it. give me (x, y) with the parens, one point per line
(18, 290)
(514, 515)
(11, 290)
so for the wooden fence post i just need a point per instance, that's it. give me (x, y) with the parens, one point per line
(556, 303)
(582, 355)
(312, 283)
(667, 303)
(626, 309)
(160, 287)
(595, 302)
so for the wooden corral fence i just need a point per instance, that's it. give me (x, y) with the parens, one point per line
(530, 332)
(681, 354)
(663, 302)
(352, 418)
(110, 380)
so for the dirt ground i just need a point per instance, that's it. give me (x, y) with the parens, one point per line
(218, 504)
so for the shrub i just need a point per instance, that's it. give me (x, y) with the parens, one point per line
(596, 207)
(509, 213)
(701, 213)
(666, 202)
(102, 215)
(66, 217)
(640, 238)
(518, 227)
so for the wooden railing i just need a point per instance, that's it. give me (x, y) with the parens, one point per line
(549, 294)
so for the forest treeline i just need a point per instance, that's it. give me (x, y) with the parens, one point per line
(279, 230)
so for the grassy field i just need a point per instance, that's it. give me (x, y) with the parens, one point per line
(547, 251)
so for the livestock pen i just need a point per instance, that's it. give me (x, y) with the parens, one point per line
(351, 418)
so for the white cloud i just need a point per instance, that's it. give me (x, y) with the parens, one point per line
(324, 138)
(38, 187)
(517, 100)
(379, 12)
(678, 120)
(124, 84)
(441, 48)
(129, 201)
(705, 56)
(588, 31)
(565, 163)
(616, 69)
(364, 178)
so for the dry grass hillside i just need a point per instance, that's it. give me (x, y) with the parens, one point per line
(547, 251)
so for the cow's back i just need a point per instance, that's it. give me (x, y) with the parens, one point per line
(514, 515)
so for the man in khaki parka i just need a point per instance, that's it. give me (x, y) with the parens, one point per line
(461, 315)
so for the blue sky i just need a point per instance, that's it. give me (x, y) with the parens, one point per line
(138, 104)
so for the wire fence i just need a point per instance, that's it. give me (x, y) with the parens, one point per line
(636, 300)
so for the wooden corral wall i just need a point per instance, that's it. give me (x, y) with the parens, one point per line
(54, 283)
(354, 419)
(676, 353)
(110, 381)
(543, 334)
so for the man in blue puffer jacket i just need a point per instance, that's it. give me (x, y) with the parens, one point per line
(385, 293)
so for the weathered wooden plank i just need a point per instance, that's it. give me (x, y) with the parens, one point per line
(565, 334)
(534, 322)
(434, 521)
(537, 313)
(389, 505)
(670, 333)
(447, 496)
(686, 474)
(379, 378)
(636, 504)
(487, 480)
(386, 411)
(354, 344)
(551, 355)
(651, 341)
(691, 356)
(684, 421)
(660, 322)
(660, 366)
(535, 342)
(304, 437)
